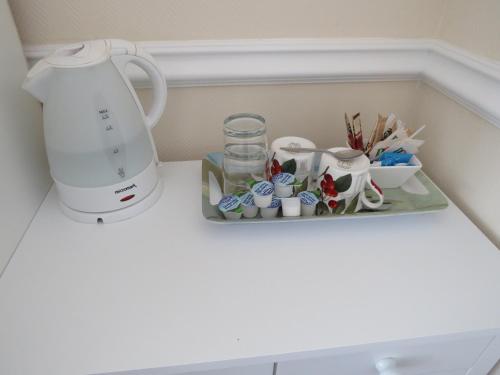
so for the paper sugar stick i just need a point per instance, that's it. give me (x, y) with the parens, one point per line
(350, 132)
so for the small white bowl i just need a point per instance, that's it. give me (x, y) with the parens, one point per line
(394, 176)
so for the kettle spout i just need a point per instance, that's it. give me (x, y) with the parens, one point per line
(37, 80)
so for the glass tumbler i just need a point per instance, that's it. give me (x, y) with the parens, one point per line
(245, 151)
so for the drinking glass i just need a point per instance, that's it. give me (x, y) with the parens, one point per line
(245, 151)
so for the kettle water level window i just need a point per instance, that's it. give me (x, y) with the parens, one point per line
(112, 140)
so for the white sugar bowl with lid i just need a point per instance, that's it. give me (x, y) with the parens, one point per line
(345, 179)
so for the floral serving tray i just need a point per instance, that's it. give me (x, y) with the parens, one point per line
(418, 195)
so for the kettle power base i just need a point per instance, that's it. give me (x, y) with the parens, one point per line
(116, 215)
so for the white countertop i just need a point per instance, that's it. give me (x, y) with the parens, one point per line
(169, 288)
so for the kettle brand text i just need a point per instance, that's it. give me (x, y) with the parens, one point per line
(125, 189)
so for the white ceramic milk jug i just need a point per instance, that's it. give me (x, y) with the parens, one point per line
(101, 154)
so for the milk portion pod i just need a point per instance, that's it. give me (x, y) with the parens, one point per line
(263, 193)
(290, 206)
(272, 210)
(230, 207)
(250, 210)
(283, 184)
(308, 202)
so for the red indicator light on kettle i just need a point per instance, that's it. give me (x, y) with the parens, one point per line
(127, 198)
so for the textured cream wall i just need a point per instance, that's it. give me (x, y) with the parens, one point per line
(192, 124)
(42, 21)
(466, 167)
(462, 154)
(469, 24)
(473, 25)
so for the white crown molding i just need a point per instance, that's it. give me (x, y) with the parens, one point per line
(471, 80)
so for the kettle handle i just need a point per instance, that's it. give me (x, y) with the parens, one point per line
(145, 62)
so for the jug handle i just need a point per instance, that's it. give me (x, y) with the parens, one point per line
(145, 62)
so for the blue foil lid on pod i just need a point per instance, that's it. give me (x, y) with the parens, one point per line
(307, 198)
(283, 179)
(275, 203)
(229, 203)
(263, 188)
(247, 200)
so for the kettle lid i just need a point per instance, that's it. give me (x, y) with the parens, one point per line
(80, 54)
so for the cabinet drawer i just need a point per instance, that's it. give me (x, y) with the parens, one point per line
(437, 357)
(265, 369)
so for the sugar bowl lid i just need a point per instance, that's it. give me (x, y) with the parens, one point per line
(356, 165)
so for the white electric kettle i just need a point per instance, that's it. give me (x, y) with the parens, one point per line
(98, 138)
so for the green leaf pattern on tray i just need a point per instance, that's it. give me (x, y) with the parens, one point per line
(340, 207)
(322, 209)
(352, 206)
(302, 186)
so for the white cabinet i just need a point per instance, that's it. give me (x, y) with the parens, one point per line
(441, 357)
(265, 369)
